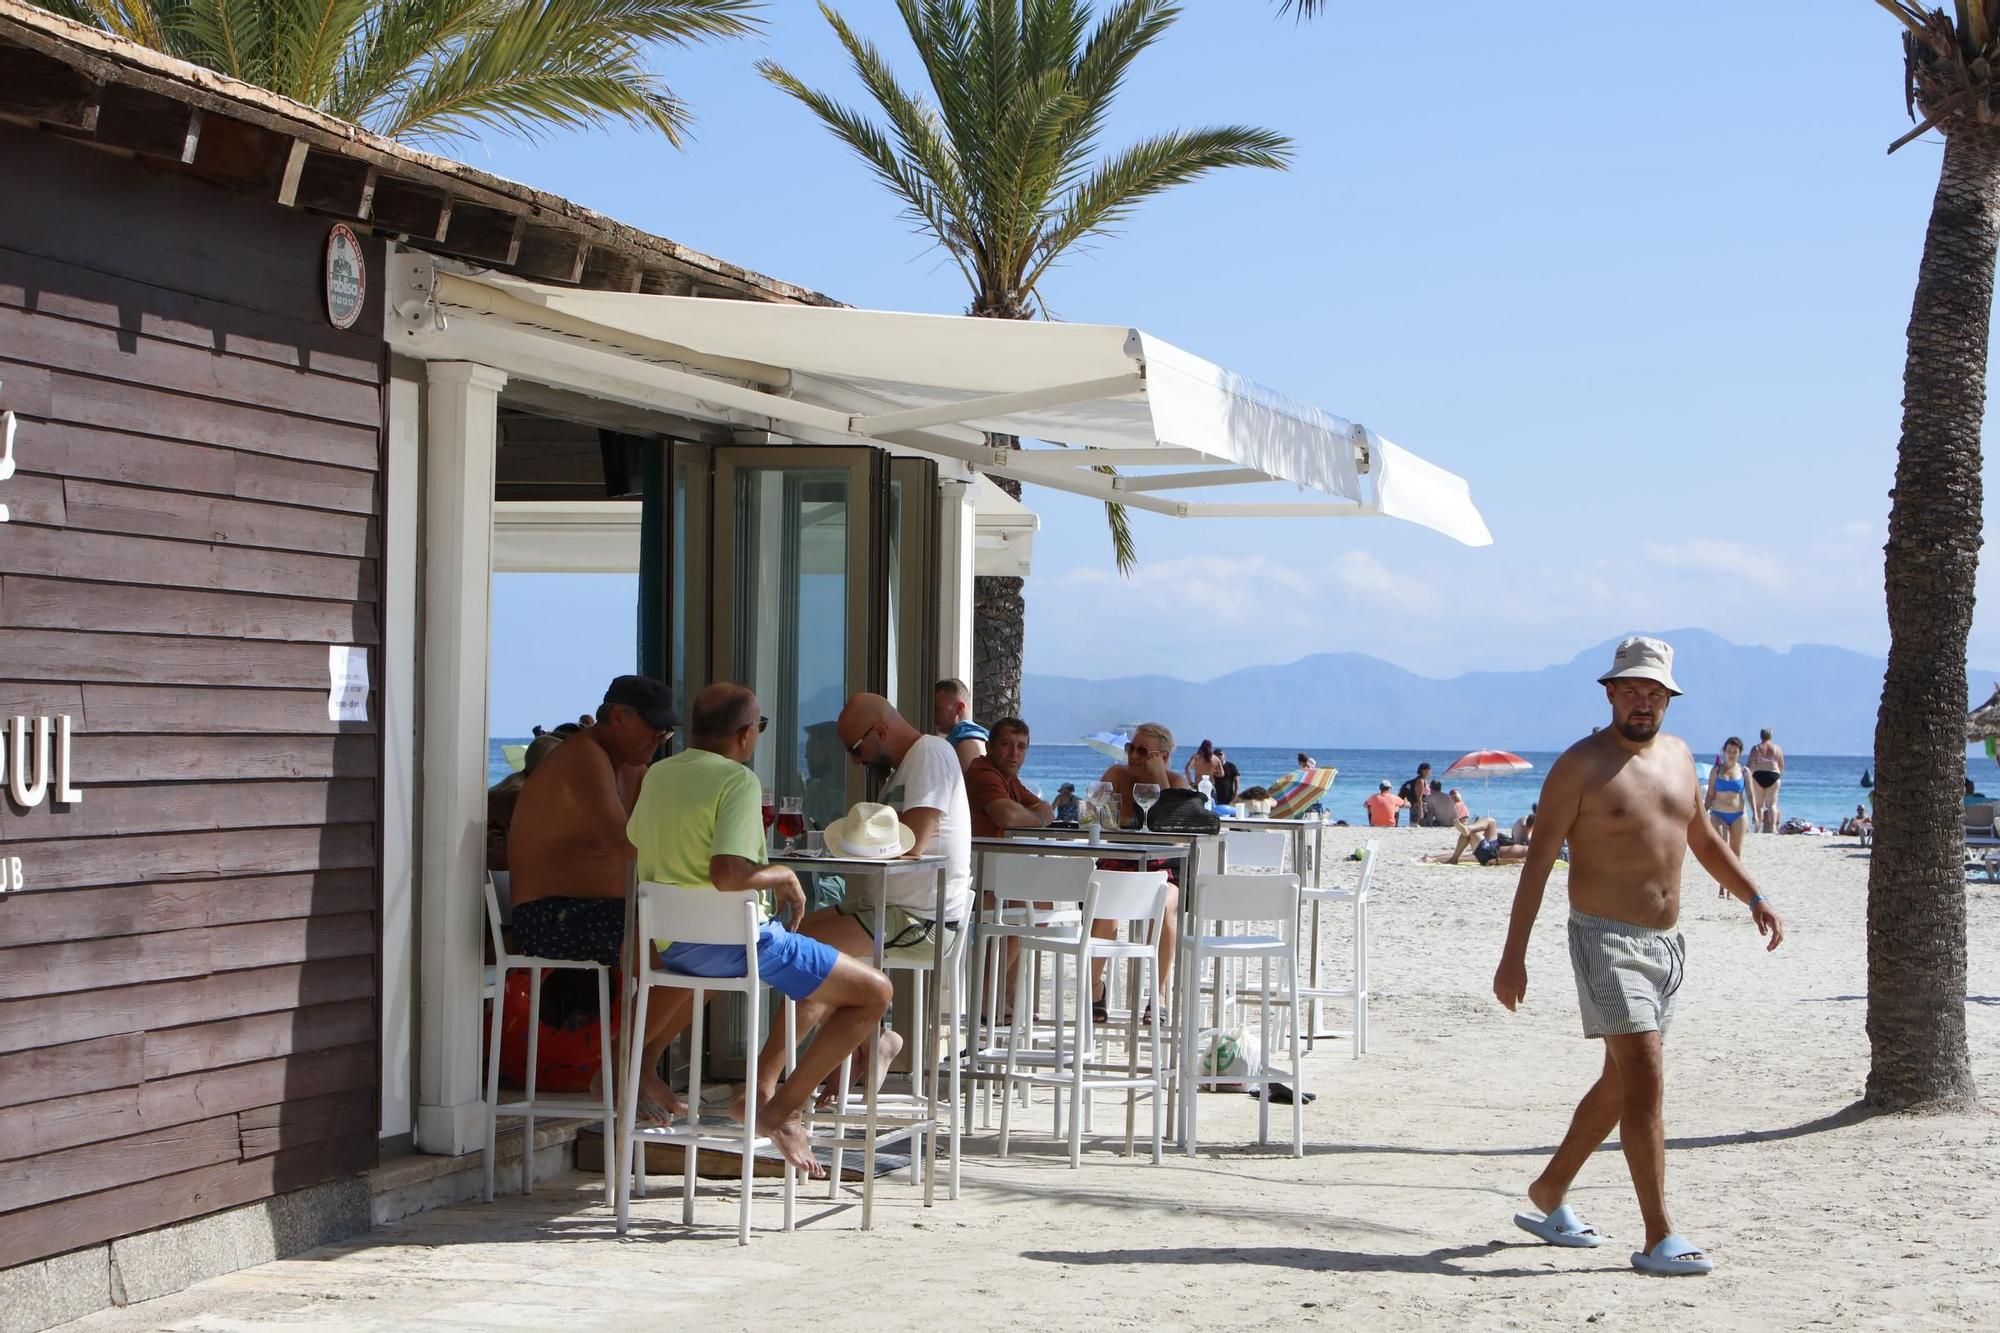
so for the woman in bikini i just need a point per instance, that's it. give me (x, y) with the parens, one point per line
(1728, 805)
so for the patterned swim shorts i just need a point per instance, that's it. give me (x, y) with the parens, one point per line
(589, 930)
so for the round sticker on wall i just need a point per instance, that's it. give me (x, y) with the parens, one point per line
(346, 277)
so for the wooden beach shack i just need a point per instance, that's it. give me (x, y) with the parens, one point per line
(280, 399)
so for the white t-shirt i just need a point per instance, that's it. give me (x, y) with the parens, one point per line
(930, 778)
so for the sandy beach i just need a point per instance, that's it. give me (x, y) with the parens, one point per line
(1398, 1217)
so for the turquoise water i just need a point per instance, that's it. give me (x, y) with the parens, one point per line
(1822, 788)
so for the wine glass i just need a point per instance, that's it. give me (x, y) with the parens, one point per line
(792, 821)
(1144, 794)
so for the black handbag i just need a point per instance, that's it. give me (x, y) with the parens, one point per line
(1181, 810)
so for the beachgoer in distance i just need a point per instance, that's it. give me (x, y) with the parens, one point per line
(504, 795)
(1627, 802)
(699, 825)
(1306, 762)
(1228, 780)
(569, 858)
(1458, 811)
(1856, 824)
(1767, 767)
(993, 786)
(1483, 838)
(1972, 794)
(1416, 793)
(1524, 825)
(1727, 795)
(951, 716)
(1439, 809)
(1068, 809)
(1383, 807)
(1202, 764)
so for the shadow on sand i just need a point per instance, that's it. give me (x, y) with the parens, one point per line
(1444, 1263)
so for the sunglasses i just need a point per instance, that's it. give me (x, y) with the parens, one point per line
(854, 750)
(763, 725)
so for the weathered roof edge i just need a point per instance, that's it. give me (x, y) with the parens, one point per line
(547, 231)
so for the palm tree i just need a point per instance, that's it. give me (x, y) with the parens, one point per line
(999, 165)
(1916, 880)
(422, 70)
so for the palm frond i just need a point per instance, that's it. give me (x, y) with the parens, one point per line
(1151, 167)
(557, 63)
(1124, 549)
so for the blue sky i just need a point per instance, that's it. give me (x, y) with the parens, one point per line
(1640, 273)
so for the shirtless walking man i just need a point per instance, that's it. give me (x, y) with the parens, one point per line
(1627, 801)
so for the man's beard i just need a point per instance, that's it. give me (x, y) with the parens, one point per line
(1636, 729)
(881, 768)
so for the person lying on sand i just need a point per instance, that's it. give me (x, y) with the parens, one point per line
(699, 824)
(1488, 844)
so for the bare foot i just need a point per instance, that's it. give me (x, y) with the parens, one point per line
(888, 1045)
(653, 1089)
(789, 1137)
(738, 1105)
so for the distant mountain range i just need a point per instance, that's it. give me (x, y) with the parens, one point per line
(1815, 699)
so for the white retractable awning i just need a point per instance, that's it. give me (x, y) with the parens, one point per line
(1082, 397)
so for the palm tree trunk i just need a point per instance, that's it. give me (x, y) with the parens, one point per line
(999, 631)
(1916, 883)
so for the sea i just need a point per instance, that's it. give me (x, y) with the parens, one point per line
(1822, 788)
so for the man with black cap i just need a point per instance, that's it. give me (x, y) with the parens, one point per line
(567, 853)
(1626, 800)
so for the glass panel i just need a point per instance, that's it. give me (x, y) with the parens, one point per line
(677, 576)
(791, 625)
(898, 595)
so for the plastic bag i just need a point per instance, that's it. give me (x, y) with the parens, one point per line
(1230, 1053)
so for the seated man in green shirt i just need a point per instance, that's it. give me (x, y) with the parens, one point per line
(699, 823)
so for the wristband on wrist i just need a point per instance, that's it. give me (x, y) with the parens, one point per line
(1756, 898)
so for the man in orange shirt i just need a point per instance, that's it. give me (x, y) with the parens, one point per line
(993, 786)
(1383, 807)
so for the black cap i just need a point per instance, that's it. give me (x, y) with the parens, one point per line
(647, 697)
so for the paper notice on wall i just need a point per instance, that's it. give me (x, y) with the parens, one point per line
(347, 668)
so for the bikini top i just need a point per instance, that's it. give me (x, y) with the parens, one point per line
(1729, 784)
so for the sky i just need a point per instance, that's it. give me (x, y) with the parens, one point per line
(1639, 273)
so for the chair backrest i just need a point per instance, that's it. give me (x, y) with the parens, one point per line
(1251, 898)
(1253, 849)
(493, 913)
(1127, 895)
(1019, 878)
(1367, 870)
(1979, 817)
(698, 915)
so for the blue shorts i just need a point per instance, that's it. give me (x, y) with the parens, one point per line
(795, 964)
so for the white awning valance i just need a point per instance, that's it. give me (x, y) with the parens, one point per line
(1082, 397)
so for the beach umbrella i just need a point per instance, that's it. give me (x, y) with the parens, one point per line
(1983, 722)
(1293, 794)
(1110, 743)
(1487, 765)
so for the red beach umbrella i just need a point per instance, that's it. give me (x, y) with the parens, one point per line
(1486, 765)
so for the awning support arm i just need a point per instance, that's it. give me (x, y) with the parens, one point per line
(1168, 481)
(998, 405)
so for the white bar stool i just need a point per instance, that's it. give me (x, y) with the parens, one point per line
(1357, 994)
(1246, 900)
(493, 987)
(698, 915)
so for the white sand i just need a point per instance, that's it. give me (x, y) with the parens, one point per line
(1397, 1218)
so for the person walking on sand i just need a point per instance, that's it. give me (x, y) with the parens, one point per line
(1726, 795)
(1627, 801)
(1767, 767)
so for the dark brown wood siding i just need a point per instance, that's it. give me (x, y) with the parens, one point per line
(188, 980)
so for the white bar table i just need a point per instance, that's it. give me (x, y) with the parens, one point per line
(878, 873)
